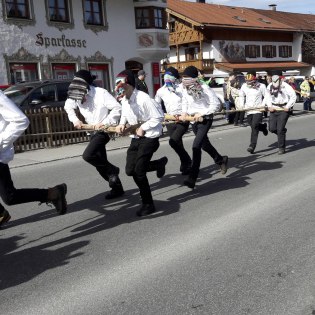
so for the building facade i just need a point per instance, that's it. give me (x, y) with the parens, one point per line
(220, 39)
(52, 39)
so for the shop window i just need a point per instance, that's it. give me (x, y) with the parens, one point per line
(269, 51)
(63, 71)
(285, 51)
(58, 11)
(23, 72)
(192, 53)
(101, 72)
(150, 17)
(252, 51)
(18, 9)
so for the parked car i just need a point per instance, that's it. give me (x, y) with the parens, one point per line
(4, 86)
(39, 94)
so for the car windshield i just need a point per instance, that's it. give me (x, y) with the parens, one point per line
(17, 93)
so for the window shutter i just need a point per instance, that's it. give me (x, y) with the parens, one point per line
(274, 51)
(246, 51)
(257, 51)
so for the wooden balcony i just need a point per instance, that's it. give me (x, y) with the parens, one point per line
(204, 64)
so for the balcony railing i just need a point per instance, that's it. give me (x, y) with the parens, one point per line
(204, 64)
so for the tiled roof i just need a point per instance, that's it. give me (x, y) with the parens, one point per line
(261, 65)
(303, 22)
(214, 15)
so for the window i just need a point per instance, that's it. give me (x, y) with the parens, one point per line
(285, 51)
(150, 17)
(158, 18)
(18, 9)
(58, 10)
(93, 12)
(252, 51)
(192, 53)
(171, 26)
(269, 51)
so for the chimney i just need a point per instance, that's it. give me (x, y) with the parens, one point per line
(273, 7)
(201, 1)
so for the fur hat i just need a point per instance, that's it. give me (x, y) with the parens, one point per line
(191, 72)
(85, 75)
(129, 77)
(173, 71)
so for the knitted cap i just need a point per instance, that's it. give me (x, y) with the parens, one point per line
(77, 89)
(86, 76)
(173, 71)
(129, 77)
(191, 71)
(141, 72)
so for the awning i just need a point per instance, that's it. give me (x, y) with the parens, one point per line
(261, 66)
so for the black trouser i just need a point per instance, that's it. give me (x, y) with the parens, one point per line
(277, 122)
(202, 141)
(95, 154)
(139, 162)
(254, 120)
(12, 196)
(176, 132)
(239, 116)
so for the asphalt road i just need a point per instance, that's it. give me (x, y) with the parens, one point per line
(240, 243)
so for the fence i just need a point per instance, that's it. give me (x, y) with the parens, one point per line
(49, 127)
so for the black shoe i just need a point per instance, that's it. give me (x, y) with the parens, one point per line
(146, 209)
(265, 130)
(4, 217)
(57, 196)
(250, 150)
(243, 125)
(190, 182)
(115, 193)
(114, 181)
(161, 167)
(224, 165)
(281, 151)
(185, 169)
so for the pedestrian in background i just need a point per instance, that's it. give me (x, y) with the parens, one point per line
(12, 124)
(140, 82)
(306, 94)
(99, 108)
(138, 107)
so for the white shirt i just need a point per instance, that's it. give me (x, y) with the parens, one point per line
(252, 97)
(206, 105)
(12, 124)
(172, 99)
(141, 108)
(99, 107)
(287, 96)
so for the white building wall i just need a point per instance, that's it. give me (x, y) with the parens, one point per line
(118, 43)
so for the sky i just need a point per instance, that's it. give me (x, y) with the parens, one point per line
(296, 6)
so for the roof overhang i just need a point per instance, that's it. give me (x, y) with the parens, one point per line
(265, 66)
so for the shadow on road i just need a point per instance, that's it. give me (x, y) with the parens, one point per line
(21, 265)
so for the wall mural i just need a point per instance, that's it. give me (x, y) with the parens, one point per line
(231, 52)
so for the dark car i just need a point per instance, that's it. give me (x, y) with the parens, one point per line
(39, 94)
